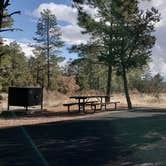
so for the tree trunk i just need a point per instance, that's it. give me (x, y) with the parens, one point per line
(126, 87)
(0, 61)
(109, 82)
(91, 85)
(1, 12)
(48, 72)
(37, 76)
(48, 54)
(13, 67)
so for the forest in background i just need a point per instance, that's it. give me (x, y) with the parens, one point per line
(95, 59)
(18, 70)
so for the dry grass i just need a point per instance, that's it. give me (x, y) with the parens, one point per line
(144, 100)
(55, 100)
(53, 103)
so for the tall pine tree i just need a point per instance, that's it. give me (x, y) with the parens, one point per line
(48, 38)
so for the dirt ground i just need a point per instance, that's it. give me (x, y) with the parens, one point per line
(55, 111)
(55, 137)
(19, 117)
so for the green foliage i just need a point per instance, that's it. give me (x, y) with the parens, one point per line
(89, 72)
(18, 70)
(37, 66)
(14, 67)
(88, 75)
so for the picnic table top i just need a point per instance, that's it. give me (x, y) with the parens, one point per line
(88, 96)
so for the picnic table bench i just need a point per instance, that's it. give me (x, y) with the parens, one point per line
(92, 104)
(107, 103)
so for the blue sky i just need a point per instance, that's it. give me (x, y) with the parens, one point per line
(71, 33)
(27, 21)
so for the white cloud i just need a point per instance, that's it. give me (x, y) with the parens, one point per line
(71, 34)
(158, 4)
(24, 44)
(26, 49)
(91, 11)
(61, 11)
(158, 64)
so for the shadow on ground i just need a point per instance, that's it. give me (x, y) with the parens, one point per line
(21, 113)
(149, 109)
(37, 113)
(106, 141)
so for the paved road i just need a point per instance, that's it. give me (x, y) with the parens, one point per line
(107, 140)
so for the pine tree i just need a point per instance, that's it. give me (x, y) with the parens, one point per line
(38, 68)
(135, 39)
(5, 17)
(48, 37)
(122, 34)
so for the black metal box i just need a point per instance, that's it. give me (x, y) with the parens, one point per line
(25, 96)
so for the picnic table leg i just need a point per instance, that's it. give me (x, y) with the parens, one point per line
(26, 108)
(83, 105)
(101, 101)
(93, 107)
(115, 106)
(79, 105)
(8, 107)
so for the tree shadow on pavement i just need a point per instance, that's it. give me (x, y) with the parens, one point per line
(70, 143)
(19, 113)
(149, 109)
(113, 141)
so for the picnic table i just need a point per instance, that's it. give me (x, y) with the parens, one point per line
(84, 100)
(93, 101)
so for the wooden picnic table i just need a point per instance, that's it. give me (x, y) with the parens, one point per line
(83, 100)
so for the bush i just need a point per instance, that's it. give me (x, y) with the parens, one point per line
(67, 84)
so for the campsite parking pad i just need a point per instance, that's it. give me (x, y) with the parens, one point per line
(124, 138)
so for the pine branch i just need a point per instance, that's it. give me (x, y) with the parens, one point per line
(10, 29)
(6, 3)
(9, 15)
